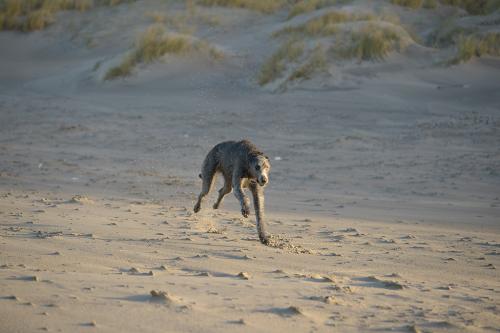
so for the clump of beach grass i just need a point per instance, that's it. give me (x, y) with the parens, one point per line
(414, 4)
(186, 21)
(474, 7)
(430, 4)
(315, 63)
(154, 43)
(372, 42)
(274, 67)
(30, 15)
(306, 6)
(448, 34)
(469, 47)
(263, 6)
(325, 24)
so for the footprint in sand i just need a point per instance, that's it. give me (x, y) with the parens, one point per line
(243, 275)
(324, 299)
(287, 312)
(315, 277)
(92, 323)
(135, 271)
(388, 284)
(164, 297)
(12, 297)
(80, 199)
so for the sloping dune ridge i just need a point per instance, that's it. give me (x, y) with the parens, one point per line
(381, 120)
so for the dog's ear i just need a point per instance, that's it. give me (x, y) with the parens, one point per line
(267, 157)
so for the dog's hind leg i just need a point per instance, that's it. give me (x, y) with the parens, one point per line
(223, 191)
(258, 203)
(207, 175)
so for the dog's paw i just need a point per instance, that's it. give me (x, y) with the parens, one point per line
(197, 208)
(264, 239)
(245, 211)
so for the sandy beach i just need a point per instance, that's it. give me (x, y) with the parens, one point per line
(384, 192)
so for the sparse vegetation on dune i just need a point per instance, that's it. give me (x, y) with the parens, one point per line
(315, 63)
(347, 35)
(372, 42)
(154, 43)
(448, 34)
(325, 24)
(475, 7)
(469, 47)
(306, 6)
(263, 6)
(185, 22)
(292, 56)
(430, 4)
(29, 15)
(408, 3)
(273, 68)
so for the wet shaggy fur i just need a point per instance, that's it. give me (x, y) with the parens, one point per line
(243, 166)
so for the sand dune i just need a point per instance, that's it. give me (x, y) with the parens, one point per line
(383, 202)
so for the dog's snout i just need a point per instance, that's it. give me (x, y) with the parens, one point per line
(263, 180)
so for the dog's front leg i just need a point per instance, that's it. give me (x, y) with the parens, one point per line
(258, 203)
(240, 195)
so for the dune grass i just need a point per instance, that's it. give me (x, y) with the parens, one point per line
(315, 63)
(275, 66)
(263, 6)
(469, 47)
(325, 24)
(153, 44)
(475, 7)
(362, 36)
(185, 22)
(414, 4)
(372, 42)
(305, 6)
(430, 4)
(448, 34)
(30, 15)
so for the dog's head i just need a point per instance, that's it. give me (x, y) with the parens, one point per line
(259, 169)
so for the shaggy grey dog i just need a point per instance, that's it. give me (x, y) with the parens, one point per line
(242, 165)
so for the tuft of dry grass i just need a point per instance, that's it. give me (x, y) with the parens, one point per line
(475, 7)
(372, 42)
(325, 24)
(274, 67)
(414, 4)
(306, 6)
(430, 4)
(123, 69)
(263, 6)
(316, 62)
(153, 44)
(38, 20)
(29, 15)
(469, 47)
(185, 22)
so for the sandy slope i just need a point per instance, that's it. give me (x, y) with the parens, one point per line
(385, 186)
